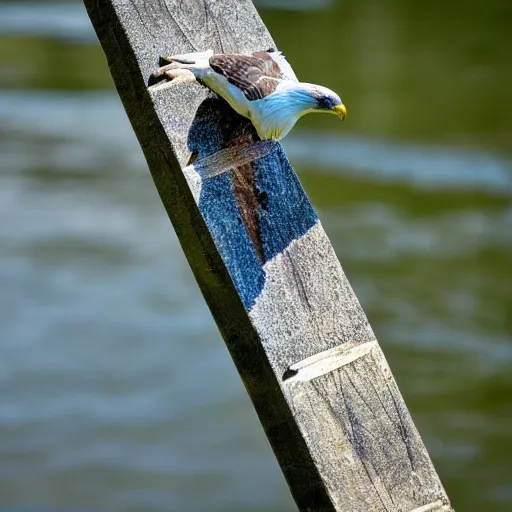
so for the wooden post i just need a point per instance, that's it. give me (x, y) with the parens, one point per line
(297, 334)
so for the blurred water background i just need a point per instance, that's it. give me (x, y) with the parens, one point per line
(116, 390)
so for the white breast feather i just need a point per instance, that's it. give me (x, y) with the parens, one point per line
(273, 116)
(233, 95)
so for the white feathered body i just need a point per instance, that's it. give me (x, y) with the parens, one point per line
(274, 115)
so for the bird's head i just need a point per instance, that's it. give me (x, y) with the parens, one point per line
(328, 101)
(291, 100)
(304, 98)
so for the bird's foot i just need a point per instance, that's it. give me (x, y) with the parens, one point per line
(170, 75)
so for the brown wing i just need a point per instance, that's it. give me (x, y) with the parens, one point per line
(256, 76)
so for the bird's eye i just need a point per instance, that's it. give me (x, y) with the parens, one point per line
(324, 102)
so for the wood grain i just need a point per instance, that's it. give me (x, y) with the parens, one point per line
(300, 340)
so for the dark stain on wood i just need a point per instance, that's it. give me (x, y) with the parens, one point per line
(248, 197)
(248, 204)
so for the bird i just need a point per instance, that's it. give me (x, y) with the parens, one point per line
(261, 87)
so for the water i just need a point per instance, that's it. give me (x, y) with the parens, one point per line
(116, 391)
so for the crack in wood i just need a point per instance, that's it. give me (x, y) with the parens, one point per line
(214, 18)
(232, 157)
(299, 282)
(364, 453)
(402, 430)
(141, 19)
(179, 26)
(327, 361)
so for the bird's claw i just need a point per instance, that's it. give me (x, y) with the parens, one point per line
(168, 76)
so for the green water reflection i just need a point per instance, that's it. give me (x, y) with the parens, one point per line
(435, 72)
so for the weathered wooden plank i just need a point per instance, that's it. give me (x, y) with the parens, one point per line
(297, 334)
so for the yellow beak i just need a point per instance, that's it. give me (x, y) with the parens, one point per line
(341, 111)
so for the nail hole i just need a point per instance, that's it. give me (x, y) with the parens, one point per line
(263, 199)
(289, 373)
